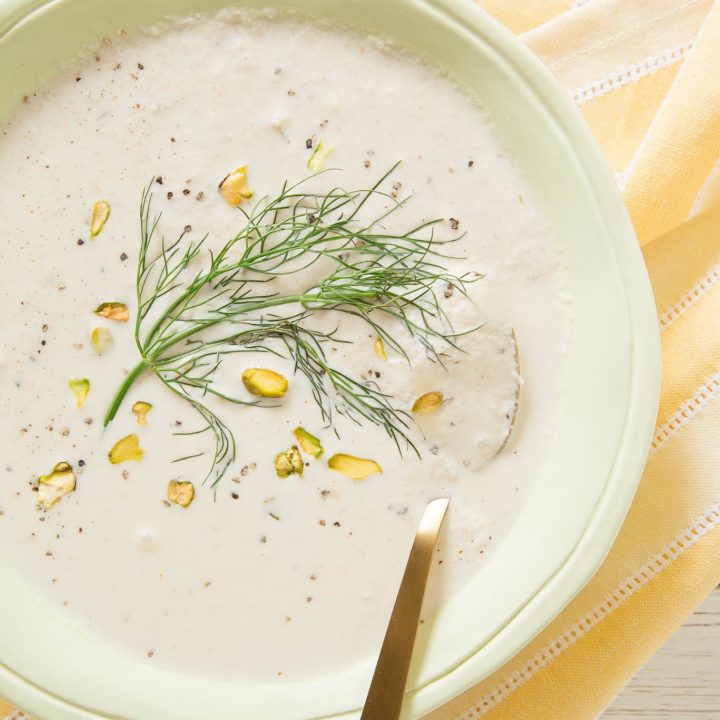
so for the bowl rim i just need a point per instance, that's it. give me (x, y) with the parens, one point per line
(631, 455)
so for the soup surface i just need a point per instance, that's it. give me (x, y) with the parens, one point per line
(257, 569)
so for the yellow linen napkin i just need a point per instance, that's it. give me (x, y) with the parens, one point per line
(647, 77)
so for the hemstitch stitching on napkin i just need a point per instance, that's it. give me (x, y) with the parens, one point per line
(685, 540)
(707, 391)
(631, 73)
(699, 290)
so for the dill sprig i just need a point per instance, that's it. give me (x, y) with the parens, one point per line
(197, 307)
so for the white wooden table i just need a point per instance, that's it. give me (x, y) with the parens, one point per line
(682, 680)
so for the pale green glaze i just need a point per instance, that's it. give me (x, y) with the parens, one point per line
(608, 403)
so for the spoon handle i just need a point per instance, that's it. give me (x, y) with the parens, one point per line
(385, 697)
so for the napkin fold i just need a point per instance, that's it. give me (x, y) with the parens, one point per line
(646, 76)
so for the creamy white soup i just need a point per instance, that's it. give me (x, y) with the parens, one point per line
(354, 292)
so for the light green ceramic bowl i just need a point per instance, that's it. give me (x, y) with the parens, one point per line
(607, 402)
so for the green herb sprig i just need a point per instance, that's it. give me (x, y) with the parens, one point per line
(197, 307)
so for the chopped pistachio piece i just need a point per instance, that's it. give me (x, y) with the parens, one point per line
(428, 402)
(309, 443)
(180, 493)
(289, 462)
(101, 339)
(53, 487)
(125, 450)
(320, 154)
(353, 467)
(81, 388)
(379, 348)
(140, 410)
(263, 382)
(113, 311)
(234, 187)
(100, 215)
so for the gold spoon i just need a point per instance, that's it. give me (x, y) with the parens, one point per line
(385, 697)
